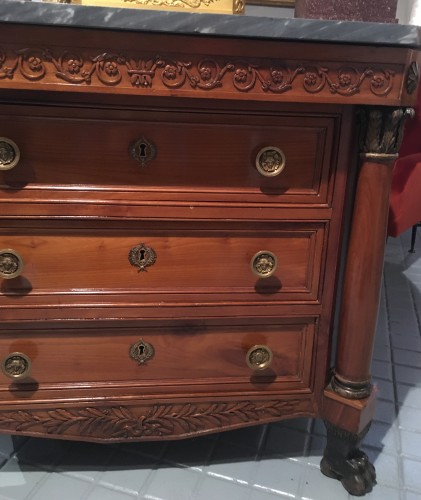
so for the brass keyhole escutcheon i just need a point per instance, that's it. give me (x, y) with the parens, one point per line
(141, 351)
(16, 365)
(143, 151)
(9, 154)
(270, 161)
(11, 264)
(259, 357)
(264, 264)
(142, 256)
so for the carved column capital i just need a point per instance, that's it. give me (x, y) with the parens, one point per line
(381, 132)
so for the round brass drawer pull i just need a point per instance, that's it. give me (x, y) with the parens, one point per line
(16, 365)
(264, 264)
(11, 264)
(259, 357)
(9, 154)
(270, 161)
(141, 351)
(143, 151)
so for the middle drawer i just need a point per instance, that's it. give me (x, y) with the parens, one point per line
(247, 261)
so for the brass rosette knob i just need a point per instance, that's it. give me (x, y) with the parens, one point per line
(270, 161)
(141, 351)
(16, 365)
(264, 264)
(11, 264)
(9, 154)
(259, 357)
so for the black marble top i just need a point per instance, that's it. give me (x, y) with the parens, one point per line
(12, 11)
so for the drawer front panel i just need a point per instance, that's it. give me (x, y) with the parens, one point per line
(194, 260)
(195, 154)
(188, 355)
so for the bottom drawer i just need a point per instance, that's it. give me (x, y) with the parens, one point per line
(267, 356)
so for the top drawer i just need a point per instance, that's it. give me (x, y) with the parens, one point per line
(203, 156)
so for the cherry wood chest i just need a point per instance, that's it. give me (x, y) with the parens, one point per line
(192, 231)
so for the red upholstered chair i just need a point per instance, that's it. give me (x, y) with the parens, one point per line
(405, 197)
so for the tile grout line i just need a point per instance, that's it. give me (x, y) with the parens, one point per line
(395, 393)
(204, 475)
(250, 486)
(144, 488)
(418, 321)
(306, 449)
(95, 483)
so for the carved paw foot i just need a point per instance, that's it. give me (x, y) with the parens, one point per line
(355, 472)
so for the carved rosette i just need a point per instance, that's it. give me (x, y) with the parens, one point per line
(183, 72)
(163, 421)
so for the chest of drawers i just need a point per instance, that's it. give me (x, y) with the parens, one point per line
(190, 241)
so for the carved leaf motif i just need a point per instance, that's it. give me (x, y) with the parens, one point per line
(381, 130)
(412, 78)
(5, 71)
(121, 422)
(391, 129)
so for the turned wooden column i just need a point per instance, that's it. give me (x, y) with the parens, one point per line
(381, 134)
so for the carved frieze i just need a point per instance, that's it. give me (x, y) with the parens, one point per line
(157, 421)
(170, 72)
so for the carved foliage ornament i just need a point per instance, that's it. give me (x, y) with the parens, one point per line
(412, 78)
(113, 69)
(120, 422)
(381, 130)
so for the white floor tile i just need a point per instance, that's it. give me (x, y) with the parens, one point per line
(232, 463)
(407, 358)
(279, 476)
(409, 395)
(127, 472)
(382, 493)
(387, 467)
(409, 495)
(86, 460)
(316, 486)
(408, 375)
(412, 473)
(409, 419)
(100, 493)
(383, 437)
(411, 444)
(172, 484)
(18, 480)
(61, 487)
(218, 489)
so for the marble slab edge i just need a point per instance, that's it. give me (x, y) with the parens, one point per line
(187, 23)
